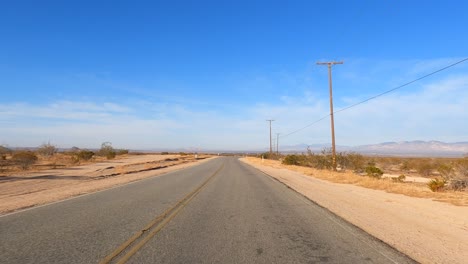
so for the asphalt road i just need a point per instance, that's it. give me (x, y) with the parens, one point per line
(222, 211)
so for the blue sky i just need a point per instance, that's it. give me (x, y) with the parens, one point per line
(207, 74)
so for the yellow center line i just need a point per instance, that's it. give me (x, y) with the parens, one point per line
(156, 224)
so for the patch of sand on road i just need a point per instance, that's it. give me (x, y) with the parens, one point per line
(24, 190)
(426, 230)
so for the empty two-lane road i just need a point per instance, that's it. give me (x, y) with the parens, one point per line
(222, 211)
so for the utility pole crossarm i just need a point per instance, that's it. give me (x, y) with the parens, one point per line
(330, 63)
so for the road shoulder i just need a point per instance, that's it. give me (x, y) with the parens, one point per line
(426, 230)
(44, 187)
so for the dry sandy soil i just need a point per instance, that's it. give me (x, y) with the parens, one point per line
(27, 189)
(426, 230)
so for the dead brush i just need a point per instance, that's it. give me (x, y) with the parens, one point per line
(437, 184)
(405, 188)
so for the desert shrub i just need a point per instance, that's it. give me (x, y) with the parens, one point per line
(291, 160)
(436, 184)
(272, 156)
(342, 160)
(107, 150)
(321, 161)
(317, 161)
(400, 178)
(24, 159)
(111, 154)
(425, 168)
(405, 166)
(461, 168)
(47, 150)
(386, 163)
(356, 162)
(458, 184)
(164, 153)
(373, 171)
(4, 151)
(445, 170)
(84, 155)
(459, 178)
(3, 164)
(122, 151)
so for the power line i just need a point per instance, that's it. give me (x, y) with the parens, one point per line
(401, 86)
(309, 125)
(376, 96)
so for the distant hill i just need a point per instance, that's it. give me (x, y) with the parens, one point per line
(432, 148)
(410, 148)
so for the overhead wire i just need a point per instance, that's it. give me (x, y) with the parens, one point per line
(376, 96)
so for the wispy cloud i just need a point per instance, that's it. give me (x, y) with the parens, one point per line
(62, 110)
(433, 109)
(437, 111)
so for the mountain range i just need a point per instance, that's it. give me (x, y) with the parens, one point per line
(410, 148)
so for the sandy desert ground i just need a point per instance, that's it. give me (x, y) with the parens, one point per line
(426, 230)
(28, 189)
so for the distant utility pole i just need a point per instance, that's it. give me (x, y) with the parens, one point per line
(330, 64)
(277, 143)
(270, 120)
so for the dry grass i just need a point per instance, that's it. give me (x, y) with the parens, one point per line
(408, 189)
(57, 161)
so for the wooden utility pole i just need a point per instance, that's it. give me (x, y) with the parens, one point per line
(277, 143)
(271, 150)
(330, 64)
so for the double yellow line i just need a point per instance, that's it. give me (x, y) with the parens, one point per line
(140, 238)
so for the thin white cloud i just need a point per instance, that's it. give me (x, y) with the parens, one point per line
(436, 110)
(62, 110)
(433, 111)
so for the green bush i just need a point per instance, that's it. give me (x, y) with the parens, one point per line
(373, 171)
(24, 159)
(291, 160)
(436, 184)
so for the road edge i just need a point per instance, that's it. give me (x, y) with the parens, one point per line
(334, 214)
(170, 169)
